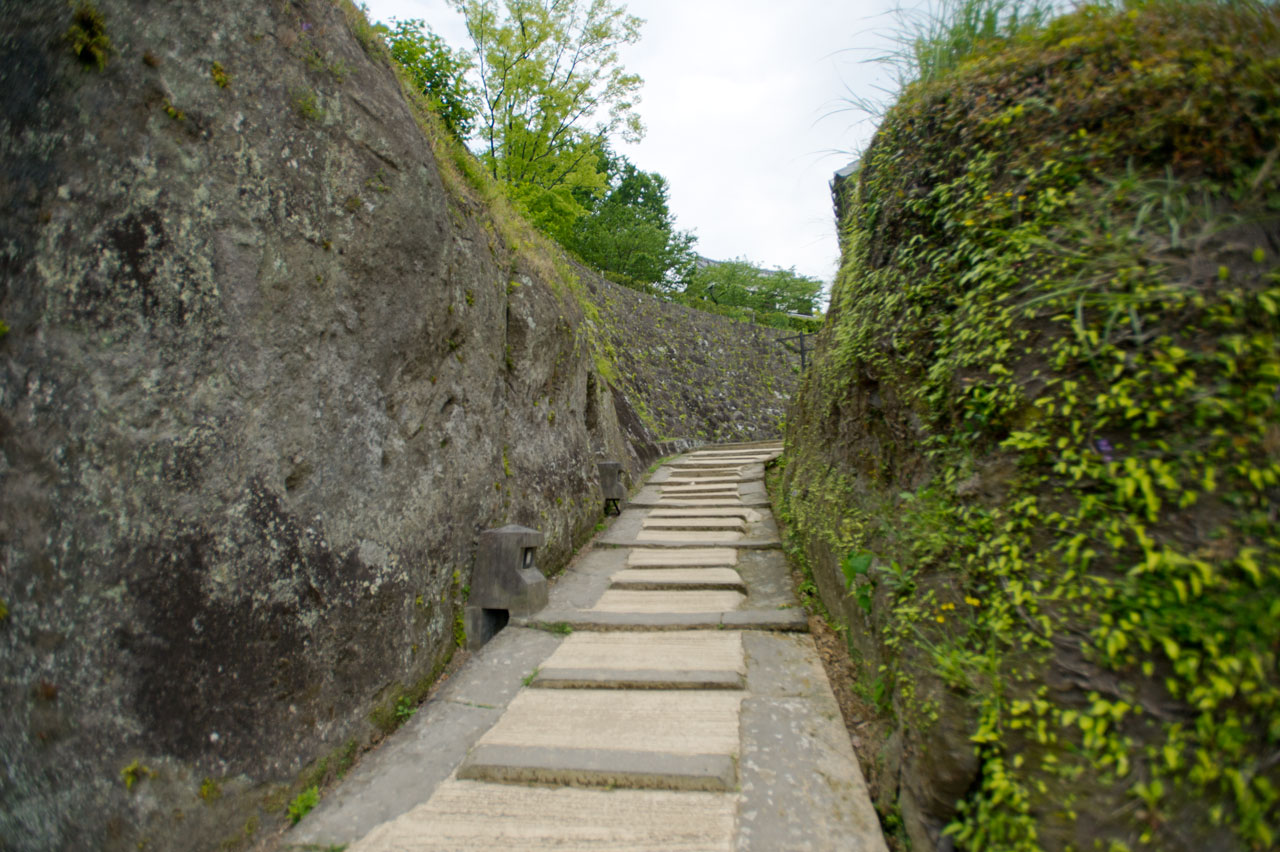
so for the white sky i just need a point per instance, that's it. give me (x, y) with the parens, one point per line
(738, 101)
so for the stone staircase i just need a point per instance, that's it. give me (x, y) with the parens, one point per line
(667, 698)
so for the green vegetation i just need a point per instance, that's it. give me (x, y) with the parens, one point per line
(307, 105)
(438, 72)
(759, 295)
(210, 790)
(87, 36)
(629, 231)
(1060, 280)
(552, 88)
(405, 709)
(219, 75)
(4, 610)
(529, 678)
(303, 803)
(402, 702)
(552, 93)
(135, 772)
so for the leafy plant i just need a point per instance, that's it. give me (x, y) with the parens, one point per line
(219, 75)
(405, 708)
(303, 804)
(855, 565)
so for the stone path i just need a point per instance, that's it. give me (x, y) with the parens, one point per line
(686, 710)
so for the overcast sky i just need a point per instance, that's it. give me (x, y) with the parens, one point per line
(742, 103)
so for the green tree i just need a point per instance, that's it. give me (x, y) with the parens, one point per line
(552, 89)
(438, 71)
(629, 231)
(740, 283)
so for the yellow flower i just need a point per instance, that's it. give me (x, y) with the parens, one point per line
(940, 619)
(971, 601)
(947, 606)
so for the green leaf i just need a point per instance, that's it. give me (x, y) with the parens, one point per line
(855, 565)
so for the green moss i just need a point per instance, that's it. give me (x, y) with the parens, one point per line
(394, 709)
(219, 75)
(87, 36)
(135, 772)
(1043, 280)
(459, 629)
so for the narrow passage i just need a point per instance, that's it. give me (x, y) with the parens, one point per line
(685, 709)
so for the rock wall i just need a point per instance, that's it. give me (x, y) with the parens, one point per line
(1035, 466)
(696, 377)
(270, 367)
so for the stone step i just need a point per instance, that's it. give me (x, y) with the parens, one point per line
(694, 489)
(707, 466)
(688, 557)
(616, 738)
(781, 620)
(667, 601)
(681, 494)
(600, 767)
(687, 537)
(701, 480)
(687, 689)
(471, 816)
(722, 483)
(729, 453)
(662, 522)
(672, 660)
(658, 579)
(628, 679)
(747, 514)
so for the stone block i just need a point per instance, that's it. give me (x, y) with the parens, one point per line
(505, 581)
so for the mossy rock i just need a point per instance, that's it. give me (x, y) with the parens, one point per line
(1052, 357)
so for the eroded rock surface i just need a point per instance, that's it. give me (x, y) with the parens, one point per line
(266, 380)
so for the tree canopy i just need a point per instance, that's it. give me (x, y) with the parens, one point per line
(740, 283)
(437, 70)
(551, 88)
(630, 231)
